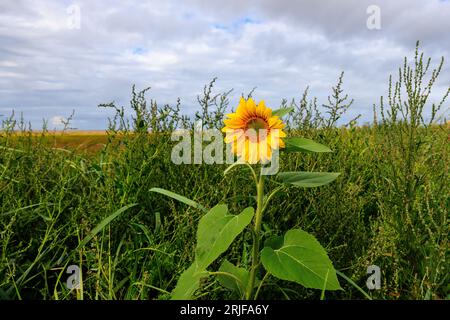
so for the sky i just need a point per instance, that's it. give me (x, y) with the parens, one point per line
(59, 56)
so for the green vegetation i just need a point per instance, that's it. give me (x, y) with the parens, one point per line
(62, 206)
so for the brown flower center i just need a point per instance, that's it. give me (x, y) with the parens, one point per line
(257, 129)
(256, 124)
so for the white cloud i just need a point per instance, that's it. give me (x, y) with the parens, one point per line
(57, 122)
(156, 61)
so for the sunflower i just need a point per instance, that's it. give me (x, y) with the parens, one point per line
(253, 131)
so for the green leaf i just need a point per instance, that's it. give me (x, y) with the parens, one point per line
(234, 278)
(282, 111)
(216, 231)
(180, 198)
(308, 179)
(103, 224)
(301, 259)
(188, 283)
(304, 145)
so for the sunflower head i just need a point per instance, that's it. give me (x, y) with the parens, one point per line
(253, 131)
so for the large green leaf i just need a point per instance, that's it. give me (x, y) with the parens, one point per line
(180, 198)
(301, 259)
(233, 278)
(282, 111)
(304, 145)
(308, 179)
(216, 231)
(188, 283)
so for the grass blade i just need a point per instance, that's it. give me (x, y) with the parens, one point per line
(180, 198)
(354, 284)
(103, 224)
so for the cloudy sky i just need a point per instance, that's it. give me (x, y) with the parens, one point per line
(56, 56)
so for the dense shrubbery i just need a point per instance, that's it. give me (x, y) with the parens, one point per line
(389, 207)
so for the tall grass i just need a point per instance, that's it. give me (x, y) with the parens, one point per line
(62, 206)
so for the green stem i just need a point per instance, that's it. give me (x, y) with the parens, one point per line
(257, 236)
(270, 196)
(260, 284)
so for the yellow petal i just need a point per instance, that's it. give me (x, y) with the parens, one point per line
(266, 155)
(273, 121)
(234, 123)
(231, 115)
(253, 152)
(267, 113)
(251, 107)
(233, 135)
(260, 109)
(241, 109)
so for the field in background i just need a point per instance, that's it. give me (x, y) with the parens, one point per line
(389, 207)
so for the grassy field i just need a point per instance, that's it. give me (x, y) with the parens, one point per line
(389, 207)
